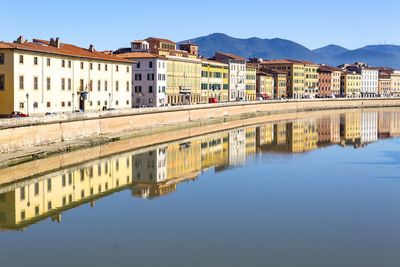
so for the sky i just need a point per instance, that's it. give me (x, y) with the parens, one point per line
(113, 24)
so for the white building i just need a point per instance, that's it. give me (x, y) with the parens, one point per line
(49, 76)
(369, 127)
(237, 147)
(237, 74)
(149, 73)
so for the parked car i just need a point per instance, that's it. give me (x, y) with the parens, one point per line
(78, 111)
(19, 114)
(50, 114)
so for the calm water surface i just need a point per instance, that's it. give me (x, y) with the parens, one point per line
(313, 192)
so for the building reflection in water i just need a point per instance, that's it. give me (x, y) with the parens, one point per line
(157, 171)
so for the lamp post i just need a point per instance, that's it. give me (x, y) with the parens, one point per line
(109, 99)
(27, 104)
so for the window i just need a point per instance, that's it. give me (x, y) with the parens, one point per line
(22, 215)
(2, 82)
(21, 59)
(49, 205)
(151, 64)
(35, 83)
(48, 83)
(91, 66)
(138, 77)
(48, 62)
(36, 189)
(48, 185)
(63, 104)
(69, 64)
(105, 85)
(22, 193)
(48, 104)
(98, 85)
(117, 68)
(116, 86)
(138, 65)
(35, 104)
(63, 84)
(21, 105)
(99, 66)
(127, 102)
(91, 85)
(106, 67)
(35, 61)
(138, 89)
(21, 82)
(127, 86)
(116, 102)
(82, 65)
(1, 58)
(150, 89)
(127, 69)
(69, 84)
(63, 63)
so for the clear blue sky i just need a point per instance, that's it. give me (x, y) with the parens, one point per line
(113, 24)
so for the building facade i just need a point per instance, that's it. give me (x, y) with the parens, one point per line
(351, 84)
(49, 76)
(251, 80)
(384, 84)
(237, 75)
(310, 79)
(214, 82)
(369, 78)
(329, 81)
(149, 72)
(265, 86)
(395, 85)
(295, 73)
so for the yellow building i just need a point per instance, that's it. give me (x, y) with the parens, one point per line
(351, 84)
(310, 79)
(214, 81)
(251, 141)
(50, 76)
(295, 74)
(212, 151)
(265, 86)
(251, 71)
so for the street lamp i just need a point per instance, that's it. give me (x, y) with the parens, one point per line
(27, 104)
(109, 99)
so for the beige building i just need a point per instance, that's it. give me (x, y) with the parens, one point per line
(214, 81)
(350, 84)
(384, 84)
(395, 86)
(49, 76)
(295, 74)
(265, 86)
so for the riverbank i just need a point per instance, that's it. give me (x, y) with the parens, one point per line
(26, 140)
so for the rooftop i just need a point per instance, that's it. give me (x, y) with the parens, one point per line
(44, 46)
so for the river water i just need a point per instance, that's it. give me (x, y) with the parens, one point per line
(317, 191)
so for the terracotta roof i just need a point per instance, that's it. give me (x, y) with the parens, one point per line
(325, 68)
(130, 55)
(281, 61)
(160, 40)
(232, 56)
(43, 46)
(263, 73)
(251, 65)
(274, 71)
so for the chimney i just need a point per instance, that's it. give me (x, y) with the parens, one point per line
(55, 42)
(91, 48)
(20, 40)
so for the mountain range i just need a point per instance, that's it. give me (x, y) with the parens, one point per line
(375, 55)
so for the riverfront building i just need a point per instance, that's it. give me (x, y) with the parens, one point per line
(329, 81)
(148, 75)
(237, 74)
(385, 84)
(351, 84)
(265, 86)
(214, 81)
(369, 78)
(395, 83)
(310, 79)
(50, 76)
(251, 74)
(295, 73)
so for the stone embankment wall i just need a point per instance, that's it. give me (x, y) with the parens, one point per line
(19, 133)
